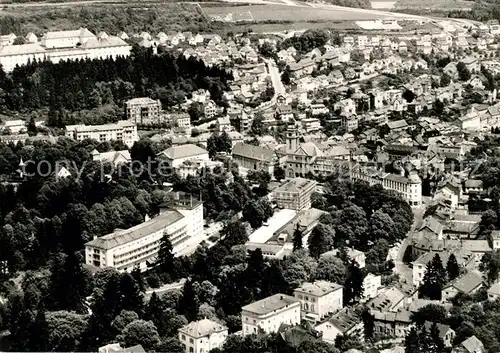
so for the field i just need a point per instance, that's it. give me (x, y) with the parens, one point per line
(434, 4)
(276, 12)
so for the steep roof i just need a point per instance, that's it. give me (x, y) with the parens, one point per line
(473, 345)
(466, 283)
(253, 152)
(82, 32)
(443, 329)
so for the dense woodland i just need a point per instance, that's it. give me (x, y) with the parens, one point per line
(164, 17)
(78, 85)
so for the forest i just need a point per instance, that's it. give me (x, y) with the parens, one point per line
(165, 16)
(88, 84)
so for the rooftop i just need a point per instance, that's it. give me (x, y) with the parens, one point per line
(279, 220)
(183, 151)
(253, 152)
(121, 237)
(202, 328)
(270, 304)
(466, 283)
(318, 288)
(296, 185)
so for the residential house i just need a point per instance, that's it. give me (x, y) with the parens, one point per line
(470, 345)
(202, 336)
(284, 113)
(176, 155)
(469, 283)
(446, 334)
(269, 313)
(345, 322)
(392, 324)
(319, 299)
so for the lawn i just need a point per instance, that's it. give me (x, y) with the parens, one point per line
(276, 12)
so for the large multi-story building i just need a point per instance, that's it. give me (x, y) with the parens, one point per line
(269, 313)
(143, 110)
(138, 246)
(123, 130)
(202, 336)
(295, 194)
(64, 45)
(320, 298)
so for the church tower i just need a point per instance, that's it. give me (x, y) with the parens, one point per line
(292, 138)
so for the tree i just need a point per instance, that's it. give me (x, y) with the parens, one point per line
(165, 258)
(234, 233)
(437, 344)
(188, 304)
(434, 279)
(140, 332)
(331, 268)
(409, 96)
(412, 344)
(445, 80)
(68, 284)
(463, 72)
(130, 294)
(320, 240)
(353, 285)
(32, 129)
(279, 173)
(219, 143)
(430, 312)
(39, 337)
(65, 330)
(123, 319)
(170, 345)
(351, 227)
(257, 128)
(452, 267)
(297, 238)
(490, 264)
(256, 212)
(286, 75)
(261, 177)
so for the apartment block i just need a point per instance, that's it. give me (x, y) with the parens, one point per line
(123, 130)
(143, 110)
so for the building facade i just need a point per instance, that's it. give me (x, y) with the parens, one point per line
(202, 336)
(269, 313)
(295, 194)
(143, 110)
(320, 298)
(138, 246)
(123, 130)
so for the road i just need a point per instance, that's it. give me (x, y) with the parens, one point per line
(275, 77)
(400, 267)
(166, 288)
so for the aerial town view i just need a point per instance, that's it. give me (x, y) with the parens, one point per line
(250, 176)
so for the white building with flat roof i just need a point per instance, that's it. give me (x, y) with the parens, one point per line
(138, 246)
(202, 336)
(320, 298)
(123, 130)
(278, 221)
(269, 313)
(143, 110)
